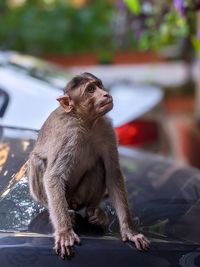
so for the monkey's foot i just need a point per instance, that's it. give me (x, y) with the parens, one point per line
(140, 241)
(97, 216)
(64, 243)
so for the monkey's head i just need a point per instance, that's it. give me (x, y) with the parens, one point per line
(86, 96)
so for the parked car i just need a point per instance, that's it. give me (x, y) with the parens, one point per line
(163, 197)
(29, 88)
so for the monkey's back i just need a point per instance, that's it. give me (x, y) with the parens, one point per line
(51, 132)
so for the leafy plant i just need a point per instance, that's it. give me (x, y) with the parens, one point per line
(156, 25)
(60, 28)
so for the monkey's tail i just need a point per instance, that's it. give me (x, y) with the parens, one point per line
(36, 169)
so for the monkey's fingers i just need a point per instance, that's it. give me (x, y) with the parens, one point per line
(94, 220)
(99, 219)
(70, 252)
(77, 239)
(64, 250)
(136, 242)
(140, 241)
(98, 222)
(57, 248)
(146, 242)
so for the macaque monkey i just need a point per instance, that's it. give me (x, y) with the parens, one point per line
(75, 160)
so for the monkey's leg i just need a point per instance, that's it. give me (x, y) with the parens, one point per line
(36, 170)
(56, 184)
(91, 191)
(117, 192)
(72, 215)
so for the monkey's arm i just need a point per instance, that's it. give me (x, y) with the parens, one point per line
(117, 192)
(55, 181)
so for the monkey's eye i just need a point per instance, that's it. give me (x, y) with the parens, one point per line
(90, 89)
(100, 85)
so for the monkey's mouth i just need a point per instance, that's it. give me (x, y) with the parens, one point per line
(107, 103)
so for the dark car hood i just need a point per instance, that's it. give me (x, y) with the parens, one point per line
(163, 197)
(28, 249)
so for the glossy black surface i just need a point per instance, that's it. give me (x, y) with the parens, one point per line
(163, 196)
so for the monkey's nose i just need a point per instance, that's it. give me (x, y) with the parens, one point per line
(106, 94)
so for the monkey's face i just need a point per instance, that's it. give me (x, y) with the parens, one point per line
(89, 99)
(94, 100)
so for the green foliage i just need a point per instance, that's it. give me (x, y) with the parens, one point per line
(170, 30)
(196, 44)
(134, 6)
(164, 25)
(40, 29)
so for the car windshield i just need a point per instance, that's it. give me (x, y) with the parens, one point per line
(163, 197)
(39, 69)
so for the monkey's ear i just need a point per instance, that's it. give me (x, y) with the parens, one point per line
(65, 102)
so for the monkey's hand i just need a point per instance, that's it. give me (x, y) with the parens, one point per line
(64, 243)
(140, 241)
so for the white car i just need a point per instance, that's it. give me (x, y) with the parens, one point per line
(29, 88)
(29, 97)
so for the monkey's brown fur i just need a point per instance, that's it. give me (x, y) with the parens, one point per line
(75, 160)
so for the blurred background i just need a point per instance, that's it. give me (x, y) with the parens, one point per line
(146, 52)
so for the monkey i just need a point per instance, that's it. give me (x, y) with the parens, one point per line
(75, 161)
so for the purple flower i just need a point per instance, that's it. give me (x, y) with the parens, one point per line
(137, 27)
(120, 4)
(179, 5)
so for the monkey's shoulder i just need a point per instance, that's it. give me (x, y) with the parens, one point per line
(104, 123)
(57, 121)
(103, 133)
(105, 127)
